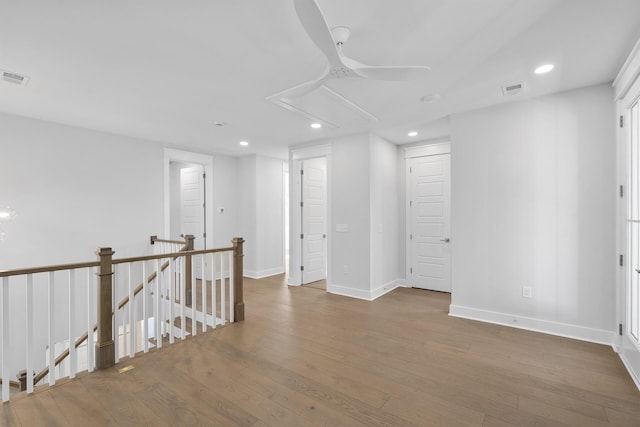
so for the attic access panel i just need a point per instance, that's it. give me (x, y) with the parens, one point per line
(325, 106)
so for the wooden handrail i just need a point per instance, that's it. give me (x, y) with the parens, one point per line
(46, 269)
(155, 239)
(104, 358)
(62, 356)
(170, 255)
(150, 279)
(15, 384)
(122, 303)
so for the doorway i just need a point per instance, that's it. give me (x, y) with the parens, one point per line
(197, 202)
(188, 209)
(313, 219)
(429, 219)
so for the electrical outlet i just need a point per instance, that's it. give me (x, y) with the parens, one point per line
(527, 292)
(345, 269)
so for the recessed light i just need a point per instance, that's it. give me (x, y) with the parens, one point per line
(412, 133)
(244, 143)
(544, 69)
(316, 125)
(219, 123)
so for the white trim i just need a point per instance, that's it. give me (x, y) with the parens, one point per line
(310, 152)
(599, 336)
(629, 72)
(295, 156)
(427, 150)
(627, 91)
(367, 295)
(261, 274)
(171, 155)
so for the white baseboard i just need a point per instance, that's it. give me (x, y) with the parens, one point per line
(630, 357)
(260, 274)
(368, 295)
(599, 336)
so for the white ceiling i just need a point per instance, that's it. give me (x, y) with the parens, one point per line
(166, 70)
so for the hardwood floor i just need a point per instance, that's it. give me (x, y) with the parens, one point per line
(304, 357)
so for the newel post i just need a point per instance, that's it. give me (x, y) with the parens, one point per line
(238, 299)
(188, 241)
(105, 348)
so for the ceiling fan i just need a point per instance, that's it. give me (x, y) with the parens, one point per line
(330, 42)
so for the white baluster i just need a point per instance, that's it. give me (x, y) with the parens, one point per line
(91, 303)
(172, 299)
(183, 296)
(116, 314)
(73, 364)
(156, 299)
(203, 298)
(29, 318)
(51, 329)
(193, 297)
(231, 306)
(4, 328)
(223, 310)
(132, 315)
(145, 315)
(214, 303)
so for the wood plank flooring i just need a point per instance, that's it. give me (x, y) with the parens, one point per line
(304, 357)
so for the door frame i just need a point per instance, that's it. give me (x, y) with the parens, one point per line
(296, 156)
(171, 155)
(423, 150)
(627, 92)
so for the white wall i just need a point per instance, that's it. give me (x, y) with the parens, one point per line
(247, 225)
(384, 216)
(270, 216)
(261, 214)
(74, 190)
(225, 195)
(533, 205)
(350, 205)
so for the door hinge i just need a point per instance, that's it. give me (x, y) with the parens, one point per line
(204, 176)
(301, 171)
(302, 236)
(620, 329)
(301, 204)
(621, 121)
(621, 260)
(622, 191)
(410, 203)
(411, 270)
(204, 235)
(410, 236)
(410, 170)
(302, 268)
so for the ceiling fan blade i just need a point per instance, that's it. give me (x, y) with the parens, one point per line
(383, 72)
(392, 73)
(316, 26)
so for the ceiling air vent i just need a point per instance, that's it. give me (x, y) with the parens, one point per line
(10, 77)
(512, 89)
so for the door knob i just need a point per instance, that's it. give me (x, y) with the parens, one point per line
(446, 240)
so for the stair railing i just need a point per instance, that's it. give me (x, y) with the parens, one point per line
(173, 276)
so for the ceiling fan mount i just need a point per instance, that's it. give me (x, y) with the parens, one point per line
(340, 34)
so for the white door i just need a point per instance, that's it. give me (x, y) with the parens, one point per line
(429, 205)
(314, 219)
(192, 206)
